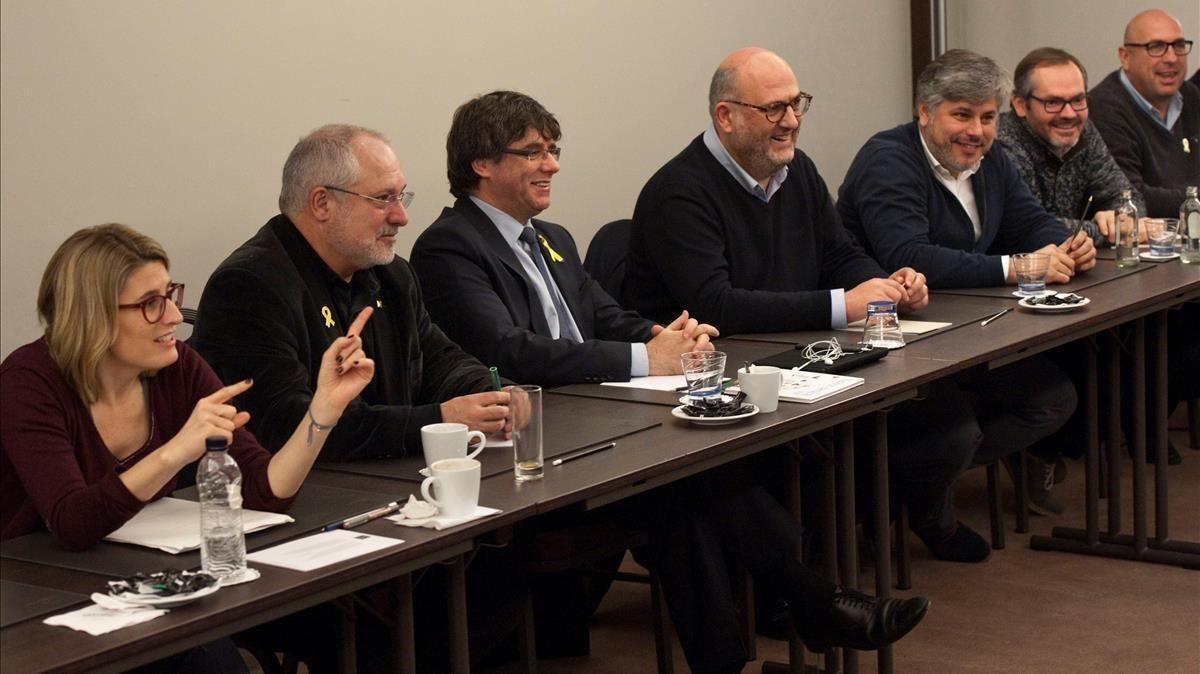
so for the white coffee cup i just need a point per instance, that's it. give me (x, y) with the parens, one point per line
(761, 385)
(457, 486)
(449, 441)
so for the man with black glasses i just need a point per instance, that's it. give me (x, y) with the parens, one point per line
(1057, 151)
(1149, 115)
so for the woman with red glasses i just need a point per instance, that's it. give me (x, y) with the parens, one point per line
(98, 416)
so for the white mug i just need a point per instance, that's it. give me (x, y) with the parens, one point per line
(761, 386)
(449, 441)
(457, 482)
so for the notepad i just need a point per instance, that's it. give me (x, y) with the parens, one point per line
(658, 382)
(173, 525)
(799, 386)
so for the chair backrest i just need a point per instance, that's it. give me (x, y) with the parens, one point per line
(606, 256)
(189, 315)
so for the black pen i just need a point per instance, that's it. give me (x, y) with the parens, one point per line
(582, 453)
(994, 316)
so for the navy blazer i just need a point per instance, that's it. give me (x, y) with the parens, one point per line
(476, 291)
(904, 217)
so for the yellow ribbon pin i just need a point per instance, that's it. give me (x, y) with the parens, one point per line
(328, 317)
(554, 256)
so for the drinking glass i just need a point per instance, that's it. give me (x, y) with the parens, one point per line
(703, 371)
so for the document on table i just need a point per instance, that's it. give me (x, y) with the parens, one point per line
(799, 386)
(908, 327)
(173, 525)
(659, 382)
(323, 549)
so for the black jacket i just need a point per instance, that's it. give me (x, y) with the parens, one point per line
(477, 291)
(273, 307)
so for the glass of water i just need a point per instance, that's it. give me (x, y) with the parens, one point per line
(525, 415)
(703, 371)
(1031, 270)
(881, 329)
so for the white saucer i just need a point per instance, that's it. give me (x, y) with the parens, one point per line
(425, 472)
(164, 602)
(1151, 257)
(678, 413)
(1054, 308)
(1044, 293)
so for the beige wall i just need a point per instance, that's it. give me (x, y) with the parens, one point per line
(1091, 31)
(174, 117)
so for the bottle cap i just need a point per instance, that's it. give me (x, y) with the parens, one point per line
(216, 444)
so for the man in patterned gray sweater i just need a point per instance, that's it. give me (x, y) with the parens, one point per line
(1058, 152)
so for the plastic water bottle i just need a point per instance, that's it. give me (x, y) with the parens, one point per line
(219, 481)
(1127, 231)
(1189, 227)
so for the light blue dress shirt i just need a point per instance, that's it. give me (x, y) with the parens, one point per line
(558, 314)
(1174, 108)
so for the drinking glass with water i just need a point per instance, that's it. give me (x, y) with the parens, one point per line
(704, 372)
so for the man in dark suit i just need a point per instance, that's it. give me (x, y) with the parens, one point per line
(511, 289)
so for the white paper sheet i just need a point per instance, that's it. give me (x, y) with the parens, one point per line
(323, 549)
(800, 386)
(173, 525)
(659, 382)
(908, 327)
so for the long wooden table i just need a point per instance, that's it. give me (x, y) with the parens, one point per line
(641, 461)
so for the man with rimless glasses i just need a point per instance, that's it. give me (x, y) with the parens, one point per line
(1149, 115)
(1057, 151)
(273, 306)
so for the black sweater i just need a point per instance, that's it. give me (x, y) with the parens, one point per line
(700, 241)
(1159, 163)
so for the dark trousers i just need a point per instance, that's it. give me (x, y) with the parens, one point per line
(700, 525)
(972, 420)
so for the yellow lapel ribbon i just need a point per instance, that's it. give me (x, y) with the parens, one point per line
(328, 317)
(554, 256)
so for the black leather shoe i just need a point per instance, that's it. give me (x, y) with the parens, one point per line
(860, 621)
(959, 544)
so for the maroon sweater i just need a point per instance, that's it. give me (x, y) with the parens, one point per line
(55, 470)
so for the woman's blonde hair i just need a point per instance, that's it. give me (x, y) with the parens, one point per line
(77, 300)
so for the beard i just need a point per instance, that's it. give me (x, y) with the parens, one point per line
(363, 253)
(759, 159)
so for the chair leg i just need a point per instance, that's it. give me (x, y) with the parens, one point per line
(995, 508)
(662, 627)
(903, 560)
(527, 638)
(1193, 408)
(749, 632)
(1022, 488)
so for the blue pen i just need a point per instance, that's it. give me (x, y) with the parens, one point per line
(358, 520)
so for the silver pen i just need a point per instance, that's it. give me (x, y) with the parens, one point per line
(994, 316)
